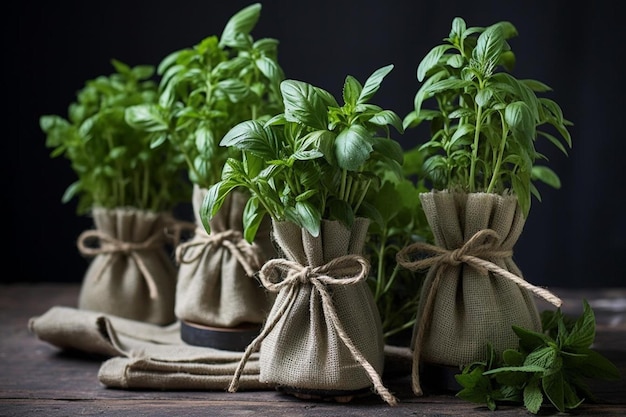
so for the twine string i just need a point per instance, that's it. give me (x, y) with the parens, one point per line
(247, 254)
(110, 246)
(483, 244)
(351, 269)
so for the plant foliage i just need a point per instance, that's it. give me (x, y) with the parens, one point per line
(485, 122)
(548, 368)
(316, 160)
(207, 89)
(113, 160)
(402, 222)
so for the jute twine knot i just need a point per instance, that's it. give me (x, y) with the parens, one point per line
(483, 245)
(344, 270)
(249, 255)
(109, 246)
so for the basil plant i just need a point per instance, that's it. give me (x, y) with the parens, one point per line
(316, 160)
(113, 161)
(207, 89)
(485, 122)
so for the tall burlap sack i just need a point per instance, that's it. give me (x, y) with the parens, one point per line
(131, 275)
(216, 285)
(473, 292)
(323, 335)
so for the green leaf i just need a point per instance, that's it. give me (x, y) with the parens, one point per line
(530, 340)
(351, 90)
(533, 397)
(388, 117)
(352, 147)
(303, 104)
(584, 331)
(253, 216)
(431, 60)
(546, 175)
(309, 216)
(372, 84)
(240, 23)
(595, 365)
(553, 386)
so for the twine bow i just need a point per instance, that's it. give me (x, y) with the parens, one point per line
(351, 269)
(483, 245)
(247, 254)
(110, 246)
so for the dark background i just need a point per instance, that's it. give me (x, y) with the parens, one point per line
(575, 237)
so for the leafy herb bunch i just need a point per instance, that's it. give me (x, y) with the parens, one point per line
(316, 160)
(113, 160)
(547, 368)
(402, 222)
(485, 122)
(207, 89)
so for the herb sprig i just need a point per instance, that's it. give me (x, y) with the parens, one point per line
(549, 367)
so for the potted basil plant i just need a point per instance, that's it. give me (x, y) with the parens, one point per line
(129, 188)
(482, 164)
(310, 169)
(205, 90)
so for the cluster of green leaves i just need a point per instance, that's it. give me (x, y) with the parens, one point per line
(549, 367)
(316, 160)
(112, 160)
(402, 222)
(207, 89)
(485, 123)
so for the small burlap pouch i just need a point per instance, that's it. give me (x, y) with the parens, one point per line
(323, 336)
(216, 286)
(473, 292)
(131, 274)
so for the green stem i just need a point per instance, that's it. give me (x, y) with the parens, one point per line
(496, 168)
(472, 179)
(380, 273)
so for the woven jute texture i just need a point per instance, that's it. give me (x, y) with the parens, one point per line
(131, 274)
(324, 332)
(463, 305)
(216, 284)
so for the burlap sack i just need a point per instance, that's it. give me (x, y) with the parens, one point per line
(473, 292)
(323, 334)
(216, 285)
(131, 275)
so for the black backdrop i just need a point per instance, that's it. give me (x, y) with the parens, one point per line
(575, 237)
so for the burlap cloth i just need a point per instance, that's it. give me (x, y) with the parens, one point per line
(140, 355)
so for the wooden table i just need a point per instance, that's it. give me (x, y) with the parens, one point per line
(38, 379)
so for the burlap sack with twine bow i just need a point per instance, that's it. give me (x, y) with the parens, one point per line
(216, 284)
(323, 334)
(131, 275)
(473, 292)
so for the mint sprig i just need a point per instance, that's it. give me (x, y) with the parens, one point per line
(547, 368)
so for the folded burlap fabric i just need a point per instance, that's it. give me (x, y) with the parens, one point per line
(142, 355)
